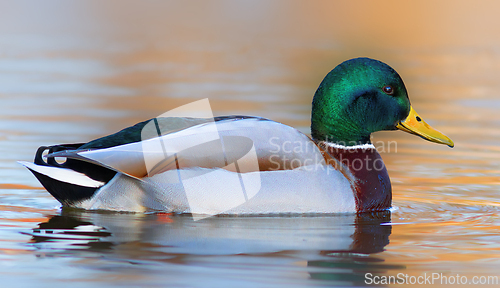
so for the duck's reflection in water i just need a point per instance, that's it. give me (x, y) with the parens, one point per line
(333, 248)
(352, 265)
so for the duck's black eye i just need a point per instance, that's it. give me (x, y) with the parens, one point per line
(388, 90)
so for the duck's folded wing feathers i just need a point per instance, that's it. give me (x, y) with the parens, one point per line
(241, 144)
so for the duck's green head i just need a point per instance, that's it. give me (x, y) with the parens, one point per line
(361, 96)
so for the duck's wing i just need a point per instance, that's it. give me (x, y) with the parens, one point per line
(235, 143)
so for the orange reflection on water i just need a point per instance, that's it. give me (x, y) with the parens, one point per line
(18, 186)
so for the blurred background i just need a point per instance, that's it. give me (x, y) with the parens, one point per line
(71, 71)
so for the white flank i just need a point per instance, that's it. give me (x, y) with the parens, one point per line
(309, 189)
(64, 175)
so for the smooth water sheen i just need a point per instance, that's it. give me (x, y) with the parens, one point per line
(71, 72)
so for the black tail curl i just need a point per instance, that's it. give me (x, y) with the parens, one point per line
(93, 171)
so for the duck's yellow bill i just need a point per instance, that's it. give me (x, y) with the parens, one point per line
(415, 125)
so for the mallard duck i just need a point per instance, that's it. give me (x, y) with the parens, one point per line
(246, 164)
